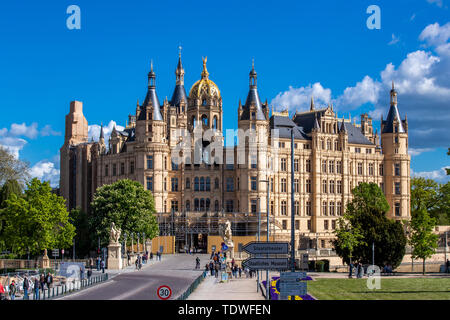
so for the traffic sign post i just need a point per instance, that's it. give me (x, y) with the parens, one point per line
(260, 248)
(164, 292)
(266, 264)
(288, 277)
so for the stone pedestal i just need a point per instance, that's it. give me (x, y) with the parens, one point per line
(45, 261)
(115, 256)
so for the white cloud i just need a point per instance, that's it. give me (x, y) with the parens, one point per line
(439, 175)
(48, 131)
(94, 131)
(435, 35)
(365, 91)
(46, 171)
(394, 40)
(13, 145)
(416, 151)
(439, 3)
(24, 130)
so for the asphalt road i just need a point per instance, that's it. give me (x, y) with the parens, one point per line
(177, 272)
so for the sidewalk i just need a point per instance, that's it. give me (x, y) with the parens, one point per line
(234, 289)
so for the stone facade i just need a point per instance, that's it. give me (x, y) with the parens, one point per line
(332, 156)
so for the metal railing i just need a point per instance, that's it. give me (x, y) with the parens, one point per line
(54, 292)
(192, 287)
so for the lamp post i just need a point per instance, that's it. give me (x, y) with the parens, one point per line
(259, 238)
(132, 243)
(124, 244)
(138, 247)
(143, 242)
(291, 127)
(267, 229)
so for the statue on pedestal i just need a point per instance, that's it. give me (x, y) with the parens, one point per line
(226, 234)
(114, 248)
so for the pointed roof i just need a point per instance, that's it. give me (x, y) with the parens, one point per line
(101, 133)
(179, 92)
(316, 124)
(253, 99)
(151, 96)
(342, 128)
(393, 114)
(311, 107)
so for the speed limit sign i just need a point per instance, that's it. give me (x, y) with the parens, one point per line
(164, 292)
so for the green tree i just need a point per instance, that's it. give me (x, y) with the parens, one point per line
(83, 238)
(424, 193)
(12, 168)
(422, 239)
(9, 188)
(367, 214)
(128, 205)
(347, 238)
(36, 221)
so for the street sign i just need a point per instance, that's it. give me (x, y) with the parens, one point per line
(55, 252)
(292, 277)
(266, 263)
(164, 292)
(266, 247)
(293, 289)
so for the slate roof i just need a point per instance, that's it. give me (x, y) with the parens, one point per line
(253, 98)
(355, 135)
(389, 122)
(276, 122)
(153, 98)
(178, 94)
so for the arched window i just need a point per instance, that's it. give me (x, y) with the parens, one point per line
(188, 205)
(216, 183)
(207, 204)
(204, 120)
(202, 204)
(196, 187)
(202, 184)
(216, 205)
(196, 205)
(215, 123)
(208, 184)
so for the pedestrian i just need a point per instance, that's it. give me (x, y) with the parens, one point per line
(151, 256)
(89, 273)
(36, 288)
(448, 266)
(102, 264)
(98, 263)
(197, 263)
(136, 262)
(12, 290)
(240, 272)
(91, 262)
(26, 287)
(81, 273)
(232, 263)
(2, 292)
(216, 270)
(42, 283)
(358, 270)
(211, 268)
(49, 280)
(350, 272)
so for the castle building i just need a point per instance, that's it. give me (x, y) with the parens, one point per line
(332, 155)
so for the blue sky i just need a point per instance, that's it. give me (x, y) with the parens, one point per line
(323, 48)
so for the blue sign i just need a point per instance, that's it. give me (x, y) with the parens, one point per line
(224, 247)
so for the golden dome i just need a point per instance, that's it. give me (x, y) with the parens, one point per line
(204, 87)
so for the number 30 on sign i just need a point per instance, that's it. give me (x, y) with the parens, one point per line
(164, 292)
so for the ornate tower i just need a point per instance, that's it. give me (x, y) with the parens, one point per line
(396, 166)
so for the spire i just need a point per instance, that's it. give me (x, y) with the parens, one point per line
(316, 124)
(151, 97)
(102, 136)
(179, 72)
(205, 72)
(179, 94)
(311, 107)
(253, 99)
(342, 128)
(393, 95)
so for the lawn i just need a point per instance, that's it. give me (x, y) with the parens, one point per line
(391, 289)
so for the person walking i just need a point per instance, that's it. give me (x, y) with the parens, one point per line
(42, 284)
(102, 264)
(91, 263)
(89, 273)
(2, 292)
(197, 263)
(350, 272)
(136, 262)
(358, 270)
(151, 256)
(240, 272)
(12, 290)
(98, 263)
(232, 263)
(448, 266)
(36, 288)
(211, 268)
(26, 287)
(216, 270)
(49, 280)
